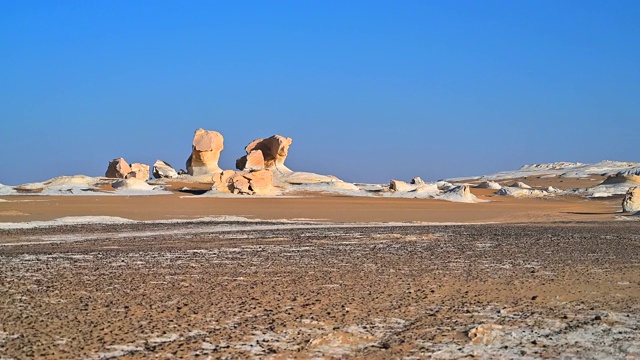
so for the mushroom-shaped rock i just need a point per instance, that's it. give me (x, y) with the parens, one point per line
(274, 152)
(118, 169)
(400, 186)
(631, 202)
(139, 171)
(205, 153)
(162, 169)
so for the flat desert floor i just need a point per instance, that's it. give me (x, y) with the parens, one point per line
(347, 278)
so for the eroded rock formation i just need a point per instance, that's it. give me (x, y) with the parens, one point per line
(162, 169)
(274, 151)
(205, 153)
(631, 202)
(259, 182)
(139, 171)
(118, 169)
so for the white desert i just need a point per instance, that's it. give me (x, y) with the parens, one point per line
(264, 261)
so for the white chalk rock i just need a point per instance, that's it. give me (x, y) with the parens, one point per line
(162, 169)
(631, 202)
(489, 185)
(520, 185)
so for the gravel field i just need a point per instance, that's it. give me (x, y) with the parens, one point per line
(308, 290)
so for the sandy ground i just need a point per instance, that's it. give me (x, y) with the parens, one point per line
(340, 209)
(351, 277)
(266, 290)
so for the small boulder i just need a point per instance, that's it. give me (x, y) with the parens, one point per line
(118, 169)
(162, 169)
(139, 171)
(520, 185)
(631, 202)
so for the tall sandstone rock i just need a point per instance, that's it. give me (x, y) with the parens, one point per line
(267, 153)
(631, 202)
(205, 153)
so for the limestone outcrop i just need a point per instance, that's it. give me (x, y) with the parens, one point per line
(520, 185)
(401, 186)
(489, 185)
(417, 181)
(259, 182)
(205, 153)
(162, 169)
(139, 171)
(631, 202)
(274, 151)
(118, 169)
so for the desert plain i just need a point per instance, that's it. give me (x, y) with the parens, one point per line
(324, 276)
(267, 262)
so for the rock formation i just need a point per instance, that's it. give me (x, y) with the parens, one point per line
(417, 181)
(139, 171)
(520, 185)
(258, 182)
(274, 151)
(400, 186)
(460, 193)
(205, 152)
(118, 169)
(162, 169)
(132, 184)
(631, 202)
(489, 185)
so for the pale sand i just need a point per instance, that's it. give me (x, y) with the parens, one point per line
(335, 209)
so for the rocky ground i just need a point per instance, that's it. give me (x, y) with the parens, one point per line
(275, 290)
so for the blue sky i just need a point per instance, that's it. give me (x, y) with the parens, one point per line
(368, 90)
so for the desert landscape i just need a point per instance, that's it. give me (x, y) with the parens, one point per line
(267, 262)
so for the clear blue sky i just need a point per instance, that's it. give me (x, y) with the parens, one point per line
(368, 90)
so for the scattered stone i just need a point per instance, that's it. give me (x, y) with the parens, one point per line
(631, 202)
(118, 169)
(205, 153)
(162, 169)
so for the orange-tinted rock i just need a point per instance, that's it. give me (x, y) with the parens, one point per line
(205, 153)
(139, 171)
(274, 152)
(118, 169)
